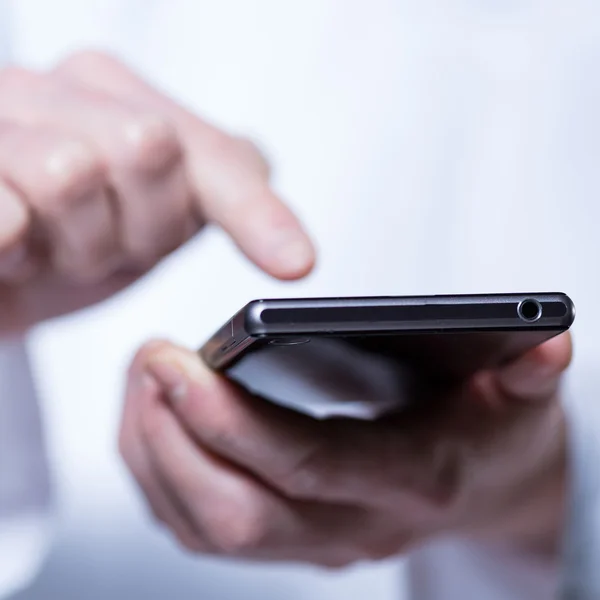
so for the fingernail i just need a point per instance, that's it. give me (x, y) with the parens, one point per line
(141, 382)
(171, 378)
(154, 139)
(295, 255)
(69, 159)
(175, 370)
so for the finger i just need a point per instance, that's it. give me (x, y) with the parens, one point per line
(330, 535)
(139, 149)
(333, 461)
(252, 154)
(240, 517)
(229, 510)
(141, 391)
(237, 197)
(62, 181)
(14, 227)
(146, 171)
(537, 374)
(229, 177)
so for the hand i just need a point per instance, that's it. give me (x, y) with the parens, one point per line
(101, 176)
(234, 474)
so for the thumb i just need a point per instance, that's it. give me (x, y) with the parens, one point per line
(537, 374)
(178, 368)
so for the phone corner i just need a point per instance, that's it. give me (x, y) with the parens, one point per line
(568, 317)
(253, 323)
(571, 312)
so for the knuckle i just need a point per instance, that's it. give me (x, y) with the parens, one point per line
(70, 171)
(151, 144)
(236, 538)
(300, 483)
(306, 479)
(240, 527)
(220, 420)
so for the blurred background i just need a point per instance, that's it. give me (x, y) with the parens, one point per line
(388, 123)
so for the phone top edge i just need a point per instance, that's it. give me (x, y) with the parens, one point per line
(289, 315)
(414, 299)
(253, 323)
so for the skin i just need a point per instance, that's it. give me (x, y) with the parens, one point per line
(100, 177)
(233, 474)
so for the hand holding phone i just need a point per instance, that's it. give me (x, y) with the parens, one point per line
(365, 356)
(231, 474)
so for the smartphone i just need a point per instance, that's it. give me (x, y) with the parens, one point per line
(366, 355)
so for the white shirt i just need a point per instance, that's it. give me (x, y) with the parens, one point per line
(431, 147)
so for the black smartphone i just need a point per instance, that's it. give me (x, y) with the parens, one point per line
(355, 350)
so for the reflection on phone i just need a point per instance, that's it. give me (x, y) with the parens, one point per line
(325, 377)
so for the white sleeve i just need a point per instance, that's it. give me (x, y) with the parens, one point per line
(25, 501)
(581, 565)
(454, 568)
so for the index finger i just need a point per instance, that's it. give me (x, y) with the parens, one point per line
(231, 189)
